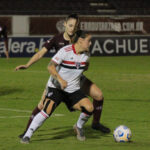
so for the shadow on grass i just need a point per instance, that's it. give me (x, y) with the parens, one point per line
(6, 90)
(67, 131)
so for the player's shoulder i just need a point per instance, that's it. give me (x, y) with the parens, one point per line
(68, 48)
(55, 38)
(58, 36)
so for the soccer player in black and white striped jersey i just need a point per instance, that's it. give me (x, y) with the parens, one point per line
(72, 61)
(88, 87)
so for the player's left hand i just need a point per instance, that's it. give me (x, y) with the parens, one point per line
(21, 67)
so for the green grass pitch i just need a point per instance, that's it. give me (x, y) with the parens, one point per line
(125, 82)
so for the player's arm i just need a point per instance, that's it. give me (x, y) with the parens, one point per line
(52, 70)
(33, 59)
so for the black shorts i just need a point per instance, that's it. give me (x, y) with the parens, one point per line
(83, 78)
(70, 99)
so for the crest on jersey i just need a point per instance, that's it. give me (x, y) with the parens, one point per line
(77, 65)
(50, 94)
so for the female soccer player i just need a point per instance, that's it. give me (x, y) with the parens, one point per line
(3, 32)
(66, 68)
(88, 87)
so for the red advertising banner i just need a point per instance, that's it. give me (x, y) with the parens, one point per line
(95, 25)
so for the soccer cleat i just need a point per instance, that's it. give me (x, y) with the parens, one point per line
(100, 127)
(25, 140)
(79, 132)
(21, 135)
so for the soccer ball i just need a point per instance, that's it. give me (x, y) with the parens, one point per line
(122, 134)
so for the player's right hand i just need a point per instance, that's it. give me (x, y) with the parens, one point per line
(21, 67)
(63, 84)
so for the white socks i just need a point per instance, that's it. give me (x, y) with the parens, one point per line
(36, 123)
(82, 120)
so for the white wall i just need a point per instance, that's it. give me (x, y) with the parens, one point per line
(20, 25)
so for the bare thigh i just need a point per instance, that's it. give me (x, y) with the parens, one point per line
(91, 89)
(86, 103)
(48, 106)
(41, 102)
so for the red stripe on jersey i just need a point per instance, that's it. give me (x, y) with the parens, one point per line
(68, 48)
(74, 49)
(72, 62)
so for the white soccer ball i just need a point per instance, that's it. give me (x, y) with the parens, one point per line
(122, 134)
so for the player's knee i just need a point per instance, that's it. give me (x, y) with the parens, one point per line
(40, 106)
(90, 108)
(45, 114)
(87, 109)
(49, 107)
(98, 97)
(48, 112)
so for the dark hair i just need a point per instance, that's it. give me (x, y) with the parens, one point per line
(74, 16)
(79, 34)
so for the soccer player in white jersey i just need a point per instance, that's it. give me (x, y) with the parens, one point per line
(66, 68)
(87, 86)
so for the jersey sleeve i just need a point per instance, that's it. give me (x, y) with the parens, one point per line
(59, 56)
(88, 57)
(49, 44)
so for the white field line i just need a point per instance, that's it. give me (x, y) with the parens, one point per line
(16, 110)
(28, 71)
(40, 71)
(1, 117)
(26, 111)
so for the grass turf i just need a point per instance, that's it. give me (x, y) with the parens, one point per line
(125, 82)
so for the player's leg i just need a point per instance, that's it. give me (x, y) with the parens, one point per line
(36, 110)
(86, 108)
(78, 101)
(7, 54)
(53, 99)
(6, 48)
(91, 89)
(39, 119)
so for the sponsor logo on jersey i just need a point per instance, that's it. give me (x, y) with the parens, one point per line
(77, 65)
(48, 41)
(60, 43)
(50, 94)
